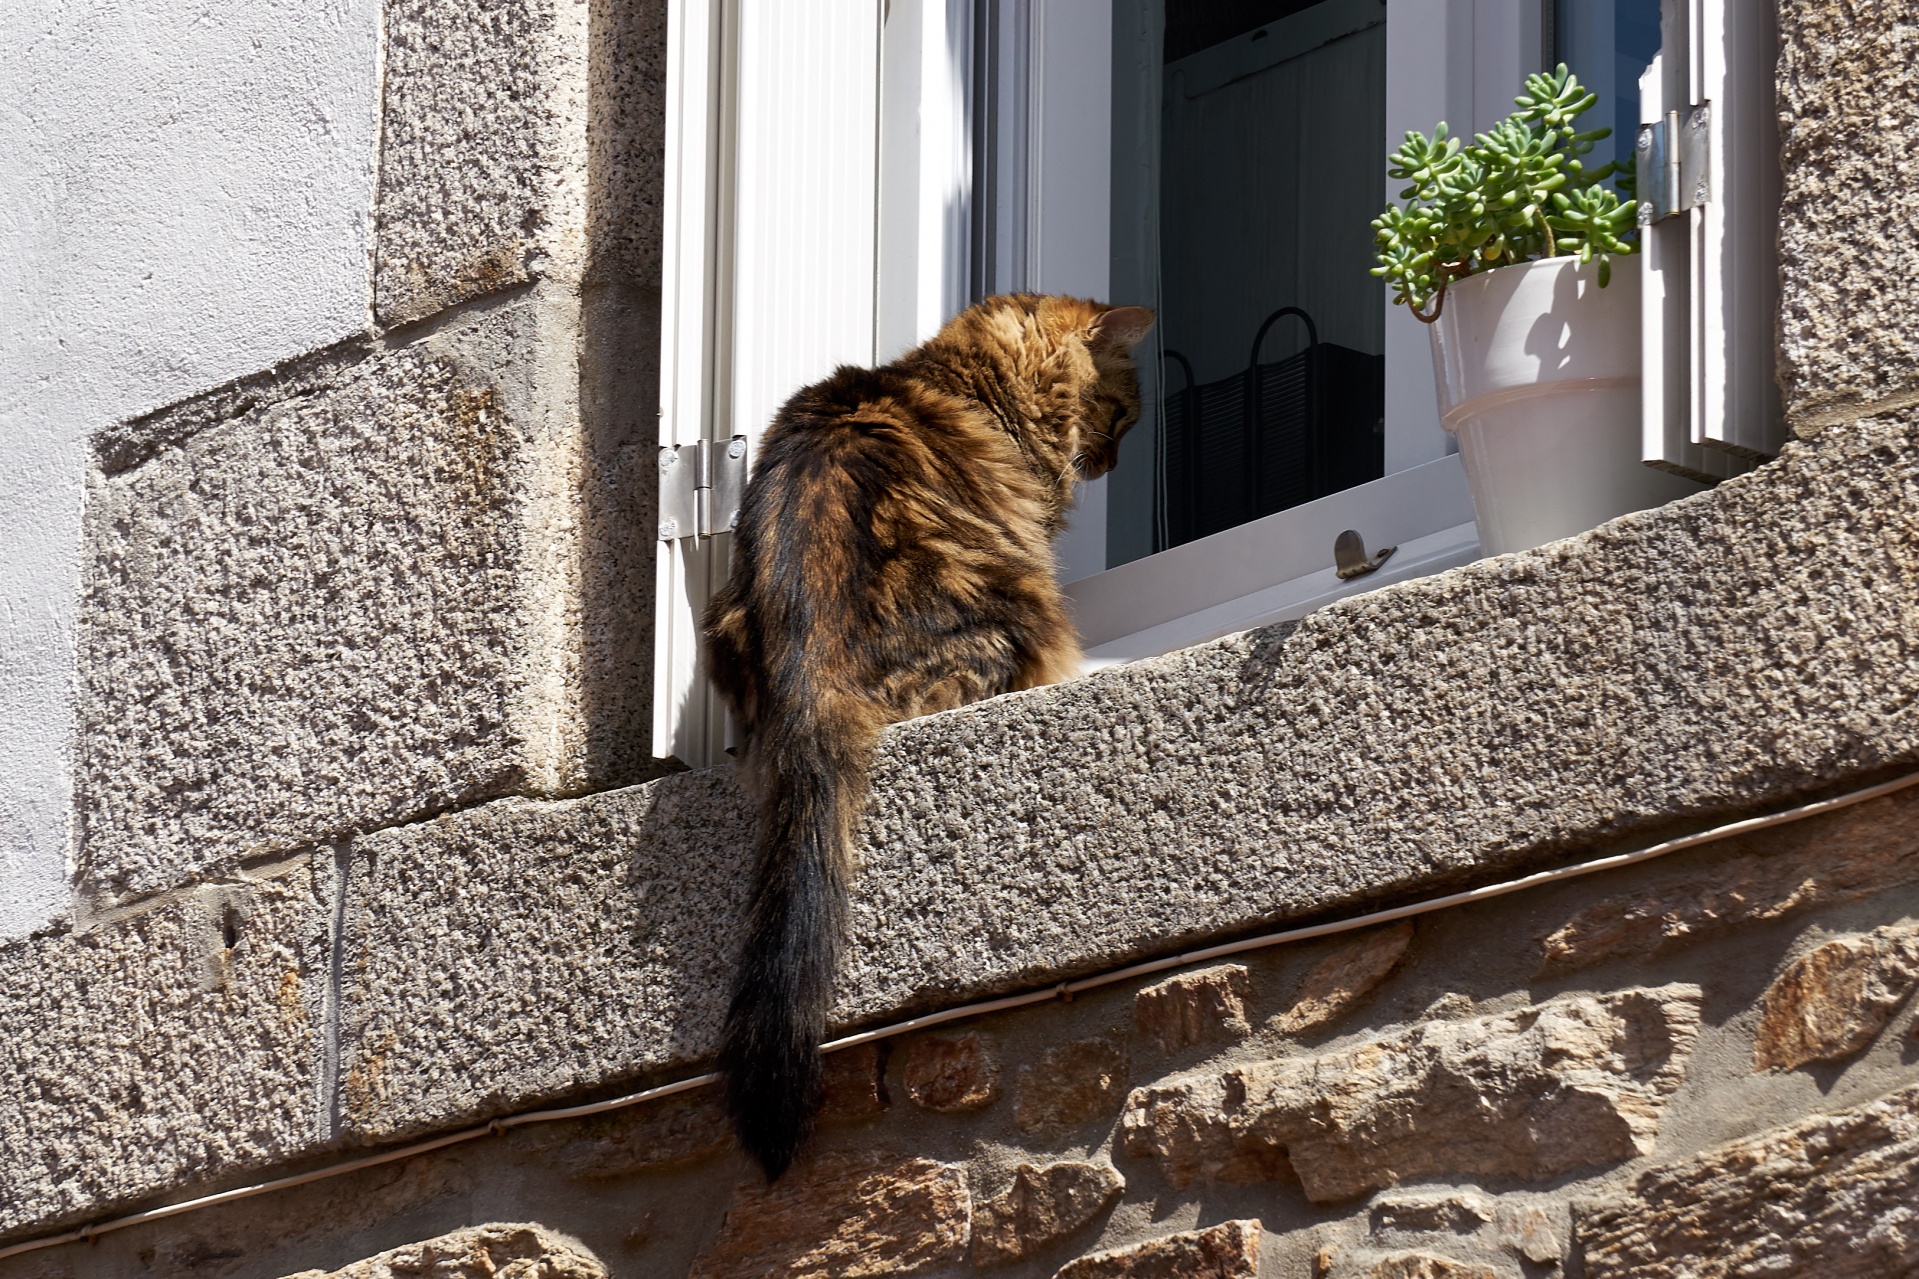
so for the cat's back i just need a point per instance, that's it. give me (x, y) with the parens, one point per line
(889, 417)
(879, 459)
(887, 515)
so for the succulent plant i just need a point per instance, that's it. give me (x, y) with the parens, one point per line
(1517, 192)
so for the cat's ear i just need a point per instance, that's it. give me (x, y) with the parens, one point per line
(1122, 327)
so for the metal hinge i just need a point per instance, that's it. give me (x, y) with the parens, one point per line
(1673, 161)
(700, 487)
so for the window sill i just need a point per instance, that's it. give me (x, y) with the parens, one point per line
(1469, 726)
(1276, 569)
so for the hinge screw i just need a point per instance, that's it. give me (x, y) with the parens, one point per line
(736, 447)
(669, 528)
(668, 459)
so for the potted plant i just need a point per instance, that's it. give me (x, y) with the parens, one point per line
(1520, 260)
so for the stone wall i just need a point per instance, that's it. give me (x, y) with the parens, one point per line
(1848, 100)
(370, 847)
(1664, 672)
(413, 571)
(1605, 1076)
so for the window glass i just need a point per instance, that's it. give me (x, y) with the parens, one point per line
(1247, 167)
(1609, 44)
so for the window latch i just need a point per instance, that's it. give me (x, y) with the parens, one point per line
(700, 487)
(1673, 164)
(1350, 558)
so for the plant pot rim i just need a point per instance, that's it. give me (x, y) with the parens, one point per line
(1619, 260)
(1532, 330)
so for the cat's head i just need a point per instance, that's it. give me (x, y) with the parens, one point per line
(1057, 371)
(1112, 396)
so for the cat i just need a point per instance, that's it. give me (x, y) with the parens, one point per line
(893, 557)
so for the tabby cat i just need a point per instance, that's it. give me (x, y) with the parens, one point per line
(893, 557)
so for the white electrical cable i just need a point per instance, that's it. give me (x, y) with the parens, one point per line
(1063, 990)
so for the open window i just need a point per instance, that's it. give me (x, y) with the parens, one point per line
(1248, 144)
(840, 182)
(1222, 164)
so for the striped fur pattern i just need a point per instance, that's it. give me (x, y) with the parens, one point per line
(893, 558)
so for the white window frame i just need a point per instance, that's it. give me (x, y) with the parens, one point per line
(1051, 191)
(1454, 60)
(781, 261)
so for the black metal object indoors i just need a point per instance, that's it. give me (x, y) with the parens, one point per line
(1271, 437)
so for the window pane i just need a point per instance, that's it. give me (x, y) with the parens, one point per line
(1269, 162)
(1608, 44)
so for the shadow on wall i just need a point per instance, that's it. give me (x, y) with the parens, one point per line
(620, 379)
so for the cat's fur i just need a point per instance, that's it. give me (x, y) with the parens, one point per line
(893, 558)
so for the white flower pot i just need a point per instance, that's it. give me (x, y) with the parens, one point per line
(1538, 372)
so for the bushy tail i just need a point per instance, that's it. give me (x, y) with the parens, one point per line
(814, 767)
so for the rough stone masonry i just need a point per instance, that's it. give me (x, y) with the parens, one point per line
(370, 849)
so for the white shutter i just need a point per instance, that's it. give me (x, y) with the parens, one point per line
(1711, 271)
(805, 205)
(1736, 48)
(926, 169)
(769, 229)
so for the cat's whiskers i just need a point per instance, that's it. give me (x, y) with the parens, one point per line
(1078, 462)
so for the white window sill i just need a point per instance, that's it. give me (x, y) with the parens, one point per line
(1275, 569)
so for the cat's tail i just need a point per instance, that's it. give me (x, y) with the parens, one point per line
(814, 760)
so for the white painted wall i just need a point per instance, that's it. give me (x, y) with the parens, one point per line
(185, 197)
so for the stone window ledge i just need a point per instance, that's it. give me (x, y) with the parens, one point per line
(1718, 654)
(1725, 653)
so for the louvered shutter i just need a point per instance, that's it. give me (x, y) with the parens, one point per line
(769, 238)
